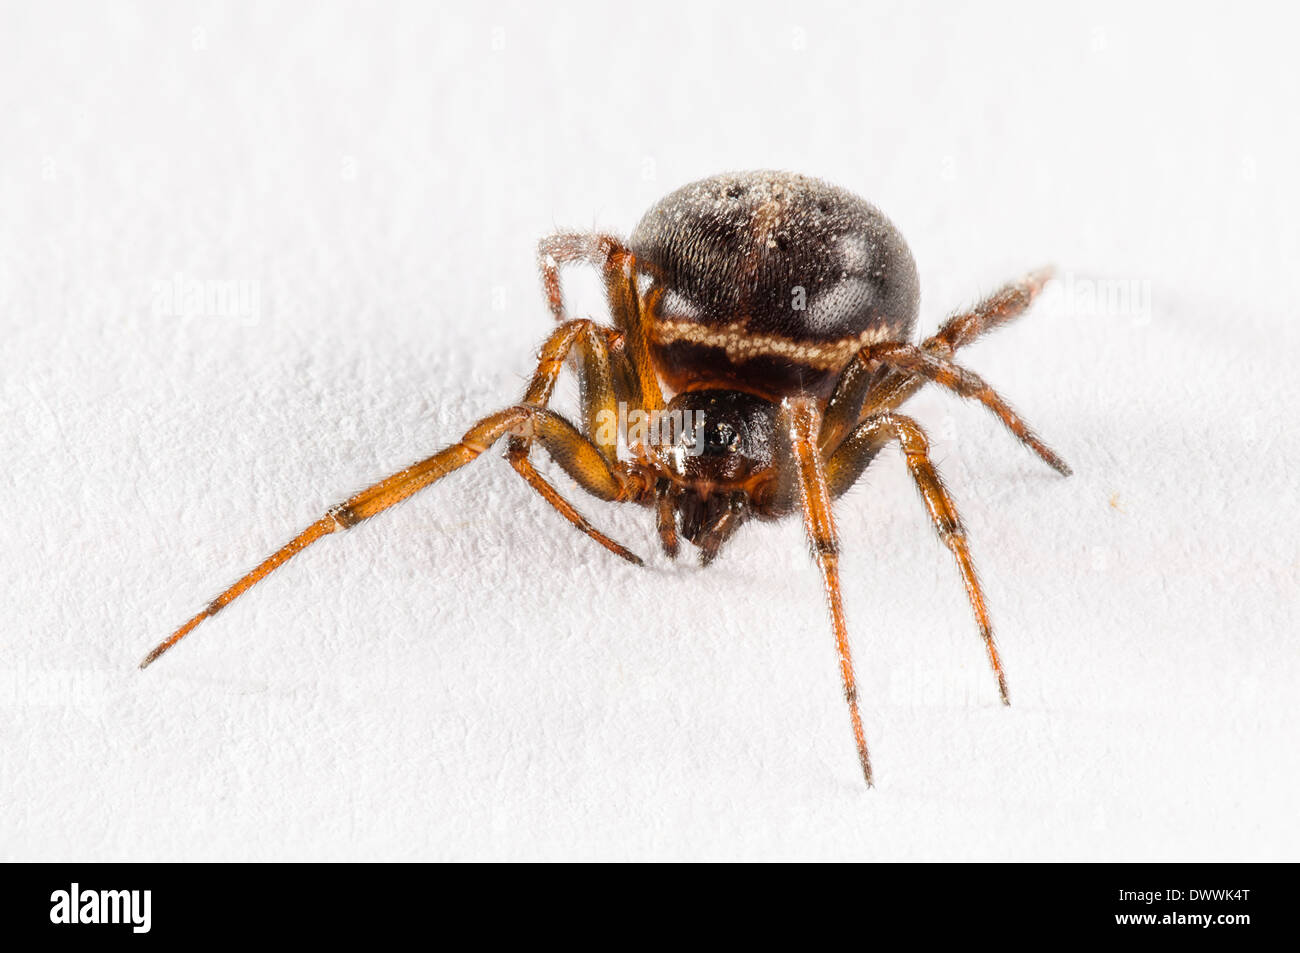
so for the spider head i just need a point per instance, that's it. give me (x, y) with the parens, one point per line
(723, 450)
(721, 440)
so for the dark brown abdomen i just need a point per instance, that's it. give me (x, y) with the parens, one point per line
(768, 282)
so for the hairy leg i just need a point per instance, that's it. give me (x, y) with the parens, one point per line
(804, 423)
(1003, 306)
(925, 366)
(578, 456)
(599, 399)
(569, 248)
(666, 516)
(860, 448)
(862, 390)
(617, 267)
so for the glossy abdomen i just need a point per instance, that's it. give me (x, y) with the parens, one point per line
(769, 282)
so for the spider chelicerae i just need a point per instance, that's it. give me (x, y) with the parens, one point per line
(769, 316)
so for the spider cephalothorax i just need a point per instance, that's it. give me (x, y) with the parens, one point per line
(724, 458)
(768, 317)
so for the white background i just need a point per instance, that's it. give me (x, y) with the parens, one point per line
(466, 676)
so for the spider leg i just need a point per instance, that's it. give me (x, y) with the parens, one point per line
(926, 366)
(577, 455)
(524, 467)
(596, 378)
(1004, 305)
(863, 391)
(618, 270)
(804, 421)
(599, 413)
(853, 456)
(566, 248)
(666, 516)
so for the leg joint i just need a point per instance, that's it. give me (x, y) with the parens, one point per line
(826, 546)
(344, 516)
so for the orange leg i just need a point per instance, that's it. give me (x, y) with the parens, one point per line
(599, 393)
(847, 464)
(925, 366)
(577, 455)
(1003, 306)
(599, 400)
(618, 269)
(804, 422)
(863, 391)
(666, 516)
(567, 248)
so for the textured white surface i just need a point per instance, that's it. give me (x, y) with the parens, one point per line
(467, 677)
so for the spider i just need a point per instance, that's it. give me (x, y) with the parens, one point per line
(768, 315)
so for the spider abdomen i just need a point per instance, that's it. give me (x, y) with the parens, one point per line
(769, 283)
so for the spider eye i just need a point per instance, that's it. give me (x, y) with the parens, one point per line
(721, 438)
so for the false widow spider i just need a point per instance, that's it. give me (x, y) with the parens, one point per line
(773, 312)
